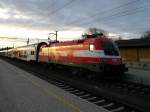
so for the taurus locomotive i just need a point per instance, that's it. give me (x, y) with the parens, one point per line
(93, 53)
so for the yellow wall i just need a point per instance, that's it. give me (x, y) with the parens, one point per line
(135, 54)
(144, 53)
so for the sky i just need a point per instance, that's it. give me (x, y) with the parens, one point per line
(35, 19)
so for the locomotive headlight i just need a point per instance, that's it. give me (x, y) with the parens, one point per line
(91, 47)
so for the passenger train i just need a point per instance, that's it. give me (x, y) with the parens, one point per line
(93, 53)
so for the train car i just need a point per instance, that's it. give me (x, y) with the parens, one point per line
(8, 53)
(26, 53)
(3, 52)
(94, 53)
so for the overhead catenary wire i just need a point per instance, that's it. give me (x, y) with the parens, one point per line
(71, 1)
(102, 12)
(68, 3)
(121, 14)
(51, 13)
(60, 8)
(107, 18)
(54, 12)
(130, 13)
(117, 15)
(95, 17)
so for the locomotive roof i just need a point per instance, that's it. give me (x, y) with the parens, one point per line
(73, 42)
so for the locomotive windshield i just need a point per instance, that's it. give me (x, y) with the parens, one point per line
(110, 48)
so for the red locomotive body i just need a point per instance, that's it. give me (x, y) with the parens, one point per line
(93, 53)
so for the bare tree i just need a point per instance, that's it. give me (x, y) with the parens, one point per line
(95, 31)
(146, 35)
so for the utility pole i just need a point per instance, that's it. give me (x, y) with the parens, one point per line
(28, 41)
(13, 45)
(56, 35)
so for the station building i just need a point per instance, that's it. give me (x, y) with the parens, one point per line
(135, 52)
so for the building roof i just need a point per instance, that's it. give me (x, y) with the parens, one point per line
(133, 43)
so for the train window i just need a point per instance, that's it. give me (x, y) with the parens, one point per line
(32, 52)
(110, 48)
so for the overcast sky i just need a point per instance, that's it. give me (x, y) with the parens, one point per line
(38, 17)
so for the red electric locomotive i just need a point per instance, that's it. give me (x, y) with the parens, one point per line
(94, 52)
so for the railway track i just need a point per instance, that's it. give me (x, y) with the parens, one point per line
(115, 96)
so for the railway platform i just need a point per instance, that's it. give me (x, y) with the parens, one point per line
(23, 92)
(140, 76)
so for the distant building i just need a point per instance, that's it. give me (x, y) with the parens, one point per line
(135, 50)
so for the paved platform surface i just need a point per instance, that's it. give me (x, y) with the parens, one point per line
(138, 65)
(138, 76)
(23, 92)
